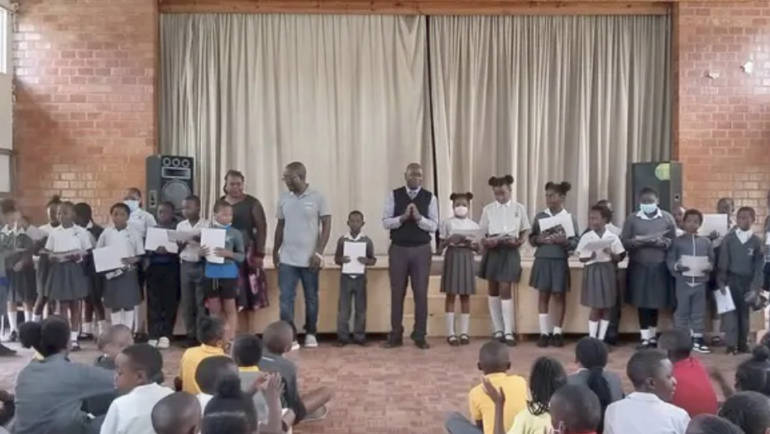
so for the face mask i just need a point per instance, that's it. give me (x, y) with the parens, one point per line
(649, 208)
(220, 225)
(461, 211)
(132, 204)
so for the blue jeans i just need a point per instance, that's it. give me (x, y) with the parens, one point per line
(288, 277)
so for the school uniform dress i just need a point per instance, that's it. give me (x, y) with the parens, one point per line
(121, 287)
(502, 263)
(649, 282)
(43, 263)
(67, 281)
(23, 283)
(600, 279)
(162, 293)
(458, 276)
(690, 311)
(222, 279)
(96, 281)
(740, 267)
(192, 283)
(550, 271)
(352, 287)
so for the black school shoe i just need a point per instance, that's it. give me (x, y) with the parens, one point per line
(421, 344)
(6, 352)
(340, 343)
(557, 340)
(543, 341)
(360, 342)
(510, 340)
(393, 342)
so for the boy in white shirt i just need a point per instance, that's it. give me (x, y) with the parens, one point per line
(191, 268)
(138, 372)
(647, 411)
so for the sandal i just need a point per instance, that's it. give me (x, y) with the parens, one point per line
(498, 336)
(452, 341)
(465, 339)
(510, 340)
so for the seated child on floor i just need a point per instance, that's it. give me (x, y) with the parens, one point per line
(111, 343)
(694, 392)
(575, 409)
(178, 413)
(210, 371)
(546, 378)
(277, 339)
(211, 333)
(230, 399)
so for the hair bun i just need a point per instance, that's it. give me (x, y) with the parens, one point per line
(497, 181)
(508, 179)
(566, 186)
(229, 386)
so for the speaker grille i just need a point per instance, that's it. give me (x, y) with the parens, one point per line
(175, 192)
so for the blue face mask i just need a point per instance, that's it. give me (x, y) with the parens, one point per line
(220, 225)
(649, 208)
(132, 204)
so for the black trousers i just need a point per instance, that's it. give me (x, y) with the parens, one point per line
(162, 298)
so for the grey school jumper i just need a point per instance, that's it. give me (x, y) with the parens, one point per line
(690, 291)
(740, 268)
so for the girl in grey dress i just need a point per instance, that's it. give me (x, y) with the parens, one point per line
(457, 277)
(550, 272)
(647, 236)
(600, 287)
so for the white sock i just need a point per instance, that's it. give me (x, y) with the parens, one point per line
(465, 320)
(128, 318)
(116, 317)
(37, 318)
(603, 326)
(74, 336)
(13, 320)
(557, 330)
(544, 319)
(653, 332)
(507, 309)
(135, 320)
(88, 327)
(495, 313)
(593, 328)
(450, 323)
(101, 326)
(645, 334)
(28, 316)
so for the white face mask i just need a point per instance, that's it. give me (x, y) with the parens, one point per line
(132, 204)
(649, 208)
(461, 211)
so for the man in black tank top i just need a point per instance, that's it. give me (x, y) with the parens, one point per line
(411, 216)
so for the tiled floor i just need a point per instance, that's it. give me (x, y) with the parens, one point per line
(391, 391)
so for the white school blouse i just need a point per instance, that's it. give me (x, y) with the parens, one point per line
(125, 238)
(451, 225)
(63, 239)
(191, 253)
(504, 218)
(644, 413)
(132, 412)
(616, 247)
(140, 220)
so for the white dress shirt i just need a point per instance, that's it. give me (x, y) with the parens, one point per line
(131, 413)
(63, 239)
(191, 253)
(644, 216)
(601, 256)
(743, 236)
(644, 413)
(140, 220)
(614, 229)
(427, 223)
(508, 218)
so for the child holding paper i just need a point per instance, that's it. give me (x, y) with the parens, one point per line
(67, 282)
(353, 282)
(192, 292)
(162, 283)
(550, 272)
(691, 283)
(458, 278)
(740, 269)
(600, 283)
(121, 286)
(504, 224)
(223, 277)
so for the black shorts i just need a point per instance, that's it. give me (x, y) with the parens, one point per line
(225, 289)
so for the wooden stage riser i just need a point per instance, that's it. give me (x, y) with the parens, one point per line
(378, 312)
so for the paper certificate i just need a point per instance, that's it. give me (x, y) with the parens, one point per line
(563, 220)
(714, 223)
(697, 265)
(353, 251)
(108, 258)
(212, 238)
(471, 234)
(597, 245)
(158, 237)
(724, 302)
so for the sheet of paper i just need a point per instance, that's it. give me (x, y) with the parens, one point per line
(563, 220)
(213, 238)
(724, 302)
(697, 265)
(596, 245)
(767, 238)
(714, 223)
(499, 229)
(472, 234)
(108, 258)
(182, 236)
(353, 251)
(157, 237)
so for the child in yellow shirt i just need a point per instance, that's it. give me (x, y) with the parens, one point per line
(211, 332)
(547, 376)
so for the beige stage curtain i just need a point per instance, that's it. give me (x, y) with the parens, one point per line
(549, 98)
(346, 95)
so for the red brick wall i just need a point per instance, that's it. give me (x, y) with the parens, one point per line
(85, 99)
(723, 126)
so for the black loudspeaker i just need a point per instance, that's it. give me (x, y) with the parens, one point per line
(664, 176)
(169, 178)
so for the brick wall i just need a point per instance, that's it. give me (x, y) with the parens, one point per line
(723, 126)
(85, 107)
